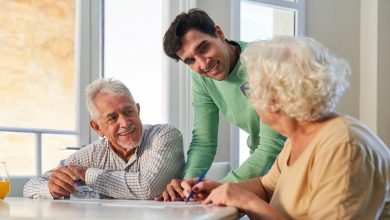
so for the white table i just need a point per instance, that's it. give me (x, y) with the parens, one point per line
(23, 208)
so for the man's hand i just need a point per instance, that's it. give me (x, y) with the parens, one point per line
(62, 182)
(173, 192)
(78, 170)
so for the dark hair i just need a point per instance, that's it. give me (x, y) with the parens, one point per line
(194, 19)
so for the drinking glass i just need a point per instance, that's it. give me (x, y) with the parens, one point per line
(4, 181)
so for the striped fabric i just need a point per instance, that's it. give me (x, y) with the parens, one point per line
(156, 161)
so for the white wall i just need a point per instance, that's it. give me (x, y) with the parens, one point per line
(375, 67)
(336, 24)
(384, 71)
(359, 32)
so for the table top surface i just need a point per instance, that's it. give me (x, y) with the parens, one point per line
(23, 208)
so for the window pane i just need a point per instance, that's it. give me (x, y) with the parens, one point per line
(133, 52)
(53, 149)
(18, 151)
(37, 80)
(261, 22)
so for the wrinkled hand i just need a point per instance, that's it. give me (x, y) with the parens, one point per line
(173, 192)
(78, 170)
(201, 190)
(62, 182)
(230, 194)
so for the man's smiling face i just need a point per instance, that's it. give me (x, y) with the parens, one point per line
(207, 55)
(119, 120)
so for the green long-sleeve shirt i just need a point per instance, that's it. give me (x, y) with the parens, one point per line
(210, 97)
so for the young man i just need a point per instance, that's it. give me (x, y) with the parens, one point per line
(217, 79)
(131, 161)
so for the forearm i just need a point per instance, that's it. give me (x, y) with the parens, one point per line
(199, 160)
(262, 159)
(204, 141)
(202, 149)
(258, 209)
(129, 185)
(255, 186)
(255, 166)
(37, 188)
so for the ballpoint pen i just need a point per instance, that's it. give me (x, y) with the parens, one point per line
(196, 182)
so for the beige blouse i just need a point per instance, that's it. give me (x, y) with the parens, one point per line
(344, 173)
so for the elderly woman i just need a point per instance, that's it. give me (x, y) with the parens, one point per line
(332, 166)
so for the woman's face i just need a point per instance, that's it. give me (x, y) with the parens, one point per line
(275, 120)
(268, 117)
(278, 121)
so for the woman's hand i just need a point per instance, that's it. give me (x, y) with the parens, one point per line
(230, 194)
(234, 195)
(201, 190)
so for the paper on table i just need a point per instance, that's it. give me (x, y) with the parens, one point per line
(134, 203)
(151, 204)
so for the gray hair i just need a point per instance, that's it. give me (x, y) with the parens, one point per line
(110, 86)
(304, 77)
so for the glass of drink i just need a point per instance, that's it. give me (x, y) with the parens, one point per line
(4, 181)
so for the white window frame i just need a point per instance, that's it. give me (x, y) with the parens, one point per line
(89, 60)
(177, 96)
(299, 7)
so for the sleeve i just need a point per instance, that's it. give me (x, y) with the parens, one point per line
(342, 183)
(204, 142)
(262, 158)
(37, 187)
(163, 161)
(271, 179)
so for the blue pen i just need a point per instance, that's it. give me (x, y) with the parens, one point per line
(196, 182)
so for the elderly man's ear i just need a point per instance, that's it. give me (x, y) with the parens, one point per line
(96, 127)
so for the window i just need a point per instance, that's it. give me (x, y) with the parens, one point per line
(37, 84)
(261, 20)
(132, 41)
(133, 52)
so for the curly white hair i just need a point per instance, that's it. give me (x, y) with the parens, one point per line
(296, 75)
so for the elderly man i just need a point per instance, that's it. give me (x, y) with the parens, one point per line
(130, 161)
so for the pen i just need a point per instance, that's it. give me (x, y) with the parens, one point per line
(196, 182)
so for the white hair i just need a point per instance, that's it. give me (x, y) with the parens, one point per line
(110, 86)
(296, 75)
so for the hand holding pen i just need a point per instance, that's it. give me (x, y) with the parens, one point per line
(62, 181)
(78, 181)
(196, 182)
